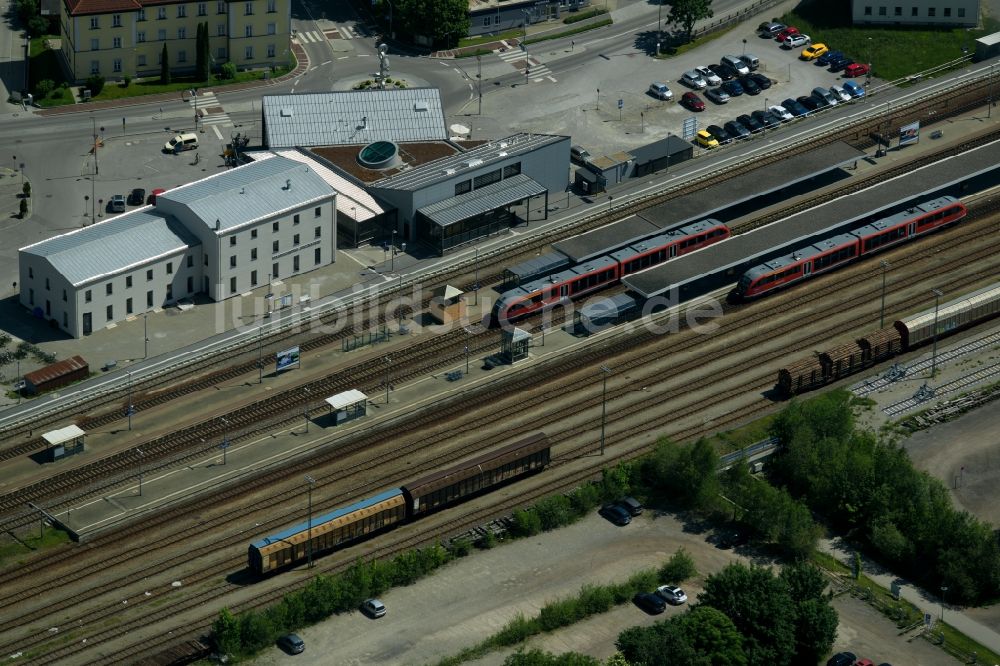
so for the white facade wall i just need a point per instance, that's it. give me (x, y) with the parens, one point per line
(964, 13)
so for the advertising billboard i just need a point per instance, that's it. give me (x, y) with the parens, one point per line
(286, 358)
(909, 133)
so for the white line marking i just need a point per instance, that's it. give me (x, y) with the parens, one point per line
(325, 62)
(343, 57)
(354, 259)
(215, 128)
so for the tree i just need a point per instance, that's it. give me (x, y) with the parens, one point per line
(536, 657)
(443, 21)
(815, 618)
(678, 568)
(202, 54)
(23, 208)
(26, 189)
(95, 84)
(703, 636)
(164, 65)
(226, 630)
(687, 12)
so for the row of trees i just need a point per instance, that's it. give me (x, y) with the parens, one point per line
(866, 485)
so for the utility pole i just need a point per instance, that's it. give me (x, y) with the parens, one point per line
(311, 481)
(139, 451)
(145, 337)
(937, 295)
(260, 355)
(388, 365)
(479, 81)
(130, 409)
(605, 371)
(524, 45)
(881, 318)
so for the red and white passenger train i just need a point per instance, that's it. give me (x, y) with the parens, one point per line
(589, 276)
(832, 253)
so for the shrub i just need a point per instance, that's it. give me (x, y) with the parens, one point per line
(44, 87)
(585, 499)
(126, 81)
(487, 541)
(526, 523)
(26, 188)
(95, 84)
(460, 547)
(582, 16)
(678, 568)
(56, 94)
(554, 511)
(23, 208)
(558, 614)
(594, 600)
(515, 631)
(227, 71)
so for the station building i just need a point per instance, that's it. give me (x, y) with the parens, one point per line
(950, 13)
(220, 236)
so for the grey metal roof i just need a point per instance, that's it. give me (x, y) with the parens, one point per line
(252, 192)
(491, 197)
(607, 238)
(109, 247)
(544, 264)
(474, 159)
(353, 117)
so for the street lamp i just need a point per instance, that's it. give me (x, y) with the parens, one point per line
(388, 365)
(764, 117)
(605, 371)
(479, 81)
(944, 591)
(937, 295)
(881, 319)
(524, 44)
(744, 46)
(145, 336)
(466, 359)
(390, 18)
(311, 481)
(130, 409)
(659, 26)
(225, 438)
(392, 265)
(475, 285)
(139, 451)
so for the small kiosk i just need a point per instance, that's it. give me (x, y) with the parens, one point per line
(447, 305)
(348, 405)
(514, 345)
(64, 442)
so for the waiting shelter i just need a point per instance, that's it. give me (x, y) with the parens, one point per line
(514, 345)
(64, 442)
(447, 305)
(348, 405)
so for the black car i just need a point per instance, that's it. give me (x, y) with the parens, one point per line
(765, 118)
(632, 505)
(839, 64)
(750, 123)
(842, 659)
(724, 72)
(733, 88)
(650, 602)
(808, 101)
(750, 86)
(762, 81)
(825, 59)
(615, 514)
(292, 644)
(137, 197)
(721, 135)
(736, 130)
(794, 108)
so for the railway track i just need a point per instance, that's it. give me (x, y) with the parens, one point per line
(641, 361)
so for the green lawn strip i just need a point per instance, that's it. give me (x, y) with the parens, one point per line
(570, 32)
(519, 34)
(515, 33)
(13, 552)
(668, 51)
(152, 86)
(742, 437)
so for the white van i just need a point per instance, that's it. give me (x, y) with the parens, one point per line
(751, 61)
(186, 141)
(735, 63)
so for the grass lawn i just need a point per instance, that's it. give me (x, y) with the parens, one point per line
(152, 86)
(894, 52)
(11, 551)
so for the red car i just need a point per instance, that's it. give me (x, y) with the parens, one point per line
(855, 69)
(786, 33)
(692, 101)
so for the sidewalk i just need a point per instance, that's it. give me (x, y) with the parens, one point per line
(932, 605)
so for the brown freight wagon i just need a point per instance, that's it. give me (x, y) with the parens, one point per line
(58, 374)
(880, 345)
(841, 361)
(803, 375)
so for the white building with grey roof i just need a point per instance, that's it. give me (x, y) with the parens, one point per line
(220, 236)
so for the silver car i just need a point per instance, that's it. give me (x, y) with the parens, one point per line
(710, 77)
(780, 112)
(717, 95)
(694, 80)
(660, 90)
(840, 93)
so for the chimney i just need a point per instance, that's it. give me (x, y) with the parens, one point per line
(288, 183)
(218, 224)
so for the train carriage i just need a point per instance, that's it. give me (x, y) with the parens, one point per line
(916, 221)
(966, 311)
(328, 531)
(483, 472)
(800, 376)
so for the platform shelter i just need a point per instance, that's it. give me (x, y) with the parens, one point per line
(447, 305)
(64, 442)
(348, 405)
(514, 345)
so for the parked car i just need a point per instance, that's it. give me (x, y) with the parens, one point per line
(292, 644)
(853, 89)
(692, 101)
(724, 71)
(117, 204)
(766, 118)
(864, 662)
(736, 63)
(137, 197)
(717, 95)
(842, 659)
(762, 81)
(632, 505)
(825, 59)
(840, 93)
(615, 514)
(780, 112)
(650, 602)
(373, 608)
(795, 41)
(808, 101)
(736, 130)
(750, 86)
(721, 135)
(155, 193)
(794, 107)
(660, 90)
(694, 80)
(786, 33)
(579, 154)
(856, 69)
(672, 595)
(839, 63)
(750, 60)
(710, 77)
(770, 28)
(825, 97)
(705, 140)
(750, 123)
(813, 51)
(733, 88)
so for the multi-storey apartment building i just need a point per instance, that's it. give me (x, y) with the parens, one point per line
(115, 38)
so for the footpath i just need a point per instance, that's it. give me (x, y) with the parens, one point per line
(932, 605)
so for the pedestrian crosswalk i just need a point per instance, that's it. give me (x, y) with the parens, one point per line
(209, 110)
(317, 36)
(515, 57)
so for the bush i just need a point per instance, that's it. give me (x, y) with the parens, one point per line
(594, 600)
(44, 87)
(515, 631)
(678, 568)
(487, 541)
(558, 614)
(56, 94)
(554, 511)
(95, 84)
(227, 71)
(585, 499)
(583, 16)
(460, 547)
(526, 523)
(23, 208)
(126, 81)
(26, 188)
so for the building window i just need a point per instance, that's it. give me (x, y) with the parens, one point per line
(253, 233)
(190, 261)
(202, 9)
(232, 241)
(248, 9)
(182, 56)
(116, 42)
(65, 320)
(274, 247)
(87, 296)
(94, 23)
(947, 11)
(248, 31)
(95, 66)
(31, 272)
(248, 53)
(128, 306)
(881, 11)
(48, 308)
(318, 232)
(931, 11)
(232, 261)
(190, 284)
(161, 13)
(142, 15)
(206, 260)
(95, 44)
(317, 256)
(182, 33)
(64, 295)
(272, 28)
(222, 53)
(111, 312)
(170, 292)
(140, 36)
(116, 65)
(295, 239)
(253, 278)
(274, 227)
(170, 268)
(295, 264)
(961, 12)
(149, 275)
(253, 254)
(318, 211)
(274, 270)
(271, 50)
(128, 281)
(272, 6)
(161, 35)
(116, 20)
(295, 218)
(141, 61)
(47, 284)
(31, 296)
(512, 170)
(220, 7)
(181, 11)
(487, 20)
(913, 11)
(484, 179)
(897, 11)
(220, 30)
(149, 299)
(109, 288)
(463, 187)
(232, 285)
(868, 10)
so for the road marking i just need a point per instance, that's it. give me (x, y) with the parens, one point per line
(345, 32)
(355, 260)
(325, 62)
(343, 57)
(443, 63)
(551, 79)
(458, 71)
(312, 68)
(364, 55)
(215, 128)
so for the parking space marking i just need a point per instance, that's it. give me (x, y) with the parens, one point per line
(215, 128)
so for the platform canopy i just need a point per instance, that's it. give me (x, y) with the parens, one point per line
(346, 399)
(63, 435)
